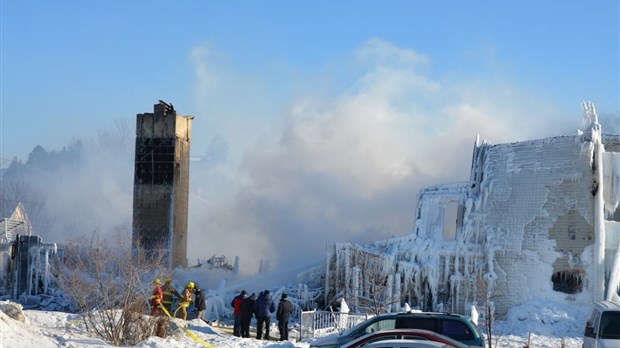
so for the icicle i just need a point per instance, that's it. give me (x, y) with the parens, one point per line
(47, 270)
(614, 277)
(389, 292)
(446, 270)
(356, 291)
(397, 293)
(347, 273)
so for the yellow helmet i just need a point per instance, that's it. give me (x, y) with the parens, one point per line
(157, 281)
(167, 280)
(189, 285)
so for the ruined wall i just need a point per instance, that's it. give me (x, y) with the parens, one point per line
(181, 191)
(537, 207)
(161, 182)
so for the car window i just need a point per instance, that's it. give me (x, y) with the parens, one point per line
(456, 330)
(610, 325)
(386, 324)
(417, 323)
(414, 337)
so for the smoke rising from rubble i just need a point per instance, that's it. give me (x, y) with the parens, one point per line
(347, 166)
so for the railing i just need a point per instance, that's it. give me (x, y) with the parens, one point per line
(315, 324)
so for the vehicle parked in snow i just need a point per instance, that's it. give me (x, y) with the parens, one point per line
(407, 344)
(455, 326)
(603, 326)
(404, 334)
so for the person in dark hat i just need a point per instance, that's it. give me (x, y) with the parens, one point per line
(285, 308)
(236, 305)
(263, 307)
(247, 311)
(200, 303)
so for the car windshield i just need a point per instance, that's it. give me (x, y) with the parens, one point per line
(381, 324)
(610, 325)
(355, 328)
(386, 324)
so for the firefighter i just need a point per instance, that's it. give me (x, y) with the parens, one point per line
(169, 294)
(185, 300)
(157, 298)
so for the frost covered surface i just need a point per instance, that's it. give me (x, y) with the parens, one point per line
(55, 329)
(545, 319)
(536, 221)
(548, 322)
(546, 326)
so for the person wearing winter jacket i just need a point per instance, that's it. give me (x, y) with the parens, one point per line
(200, 304)
(247, 311)
(169, 294)
(263, 307)
(236, 305)
(185, 300)
(285, 308)
(156, 298)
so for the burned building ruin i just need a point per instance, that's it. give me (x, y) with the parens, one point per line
(538, 219)
(161, 183)
(25, 260)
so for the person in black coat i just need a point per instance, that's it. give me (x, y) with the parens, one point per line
(200, 304)
(285, 308)
(247, 311)
(263, 307)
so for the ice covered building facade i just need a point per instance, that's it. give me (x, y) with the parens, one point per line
(537, 220)
(25, 260)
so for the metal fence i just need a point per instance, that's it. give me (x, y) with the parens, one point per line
(315, 324)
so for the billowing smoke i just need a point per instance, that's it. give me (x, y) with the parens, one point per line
(80, 190)
(346, 165)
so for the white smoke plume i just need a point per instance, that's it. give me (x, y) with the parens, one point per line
(346, 164)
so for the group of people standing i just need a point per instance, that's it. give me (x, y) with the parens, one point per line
(263, 306)
(244, 308)
(163, 298)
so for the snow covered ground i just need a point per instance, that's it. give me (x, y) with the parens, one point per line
(560, 327)
(44, 329)
(545, 323)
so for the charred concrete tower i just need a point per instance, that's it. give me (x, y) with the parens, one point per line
(161, 182)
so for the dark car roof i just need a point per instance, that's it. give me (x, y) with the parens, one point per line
(424, 334)
(420, 314)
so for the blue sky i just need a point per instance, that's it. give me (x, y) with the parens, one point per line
(324, 116)
(88, 62)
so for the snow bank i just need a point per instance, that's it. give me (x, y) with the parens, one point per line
(545, 318)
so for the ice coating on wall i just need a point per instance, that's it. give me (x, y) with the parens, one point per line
(531, 223)
(25, 261)
(611, 177)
